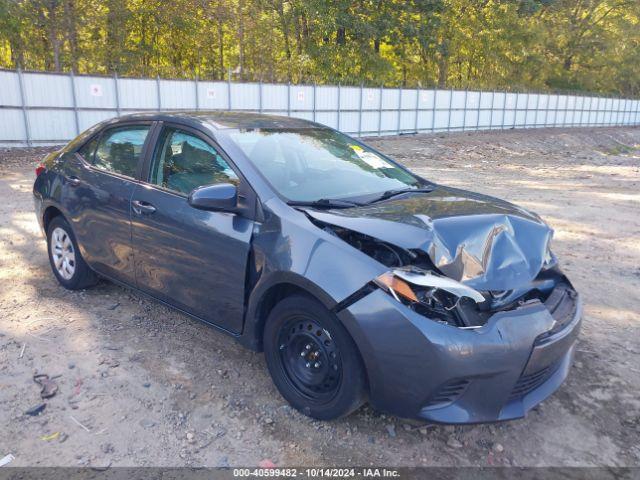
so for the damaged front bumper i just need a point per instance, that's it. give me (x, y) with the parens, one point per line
(421, 368)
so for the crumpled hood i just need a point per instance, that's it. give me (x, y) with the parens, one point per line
(481, 241)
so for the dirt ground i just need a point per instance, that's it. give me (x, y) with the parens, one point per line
(142, 385)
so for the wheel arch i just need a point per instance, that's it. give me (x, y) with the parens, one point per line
(49, 214)
(267, 294)
(264, 297)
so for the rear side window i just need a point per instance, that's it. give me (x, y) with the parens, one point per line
(119, 150)
(183, 162)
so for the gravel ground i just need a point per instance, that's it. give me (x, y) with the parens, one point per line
(139, 384)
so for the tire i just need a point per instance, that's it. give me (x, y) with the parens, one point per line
(326, 381)
(65, 259)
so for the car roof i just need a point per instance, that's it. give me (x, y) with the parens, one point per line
(221, 119)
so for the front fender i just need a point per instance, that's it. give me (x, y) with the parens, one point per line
(287, 249)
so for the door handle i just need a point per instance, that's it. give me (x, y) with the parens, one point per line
(142, 208)
(74, 181)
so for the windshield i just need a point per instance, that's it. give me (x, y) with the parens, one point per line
(307, 165)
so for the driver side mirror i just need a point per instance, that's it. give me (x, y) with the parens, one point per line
(222, 197)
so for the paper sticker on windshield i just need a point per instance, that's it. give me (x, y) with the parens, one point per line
(370, 158)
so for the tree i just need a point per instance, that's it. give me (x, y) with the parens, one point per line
(535, 44)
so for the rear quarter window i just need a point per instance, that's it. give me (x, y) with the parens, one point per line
(88, 149)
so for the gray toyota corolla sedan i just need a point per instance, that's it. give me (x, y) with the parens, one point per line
(357, 278)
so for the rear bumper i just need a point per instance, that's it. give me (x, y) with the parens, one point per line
(420, 368)
(38, 207)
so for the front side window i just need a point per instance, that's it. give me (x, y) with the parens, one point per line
(183, 162)
(119, 150)
(309, 164)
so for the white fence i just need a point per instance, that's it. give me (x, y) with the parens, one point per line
(42, 108)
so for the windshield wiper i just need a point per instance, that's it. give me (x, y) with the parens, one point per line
(324, 203)
(392, 193)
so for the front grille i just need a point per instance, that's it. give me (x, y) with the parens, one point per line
(528, 383)
(447, 393)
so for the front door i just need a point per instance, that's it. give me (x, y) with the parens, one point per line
(100, 181)
(193, 259)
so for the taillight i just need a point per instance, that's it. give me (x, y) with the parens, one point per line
(39, 169)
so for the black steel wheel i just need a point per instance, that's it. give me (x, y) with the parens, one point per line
(312, 359)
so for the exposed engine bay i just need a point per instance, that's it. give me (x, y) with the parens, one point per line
(385, 253)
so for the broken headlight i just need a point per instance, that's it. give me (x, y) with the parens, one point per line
(434, 296)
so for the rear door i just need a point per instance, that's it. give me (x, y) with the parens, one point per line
(100, 180)
(193, 259)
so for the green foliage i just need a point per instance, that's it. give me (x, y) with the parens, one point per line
(589, 45)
